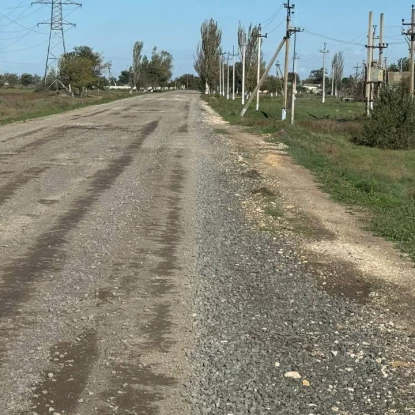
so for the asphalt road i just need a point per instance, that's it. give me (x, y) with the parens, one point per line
(96, 242)
(133, 282)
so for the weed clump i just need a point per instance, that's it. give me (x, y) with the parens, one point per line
(392, 123)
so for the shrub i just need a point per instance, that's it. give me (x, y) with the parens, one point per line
(392, 122)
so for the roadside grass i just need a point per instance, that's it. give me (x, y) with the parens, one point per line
(16, 91)
(28, 105)
(379, 183)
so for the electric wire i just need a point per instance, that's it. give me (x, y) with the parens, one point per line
(276, 27)
(267, 22)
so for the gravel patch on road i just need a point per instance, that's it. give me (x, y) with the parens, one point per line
(269, 340)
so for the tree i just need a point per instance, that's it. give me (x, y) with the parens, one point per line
(251, 40)
(26, 79)
(162, 65)
(157, 71)
(138, 47)
(401, 64)
(189, 81)
(316, 76)
(291, 77)
(338, 69)
(125, 77)
(81, 68)
(12, 79)
(207, 54)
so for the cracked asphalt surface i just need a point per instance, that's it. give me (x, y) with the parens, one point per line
(132, 281)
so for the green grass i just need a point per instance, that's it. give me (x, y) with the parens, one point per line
(378, 182)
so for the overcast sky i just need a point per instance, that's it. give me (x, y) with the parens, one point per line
(112, 27)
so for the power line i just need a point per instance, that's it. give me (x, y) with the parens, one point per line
(276, 27)
(268, 21)
(30, 47)
(335, 40)
(19, 24)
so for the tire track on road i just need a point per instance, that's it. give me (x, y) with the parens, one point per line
(46, 253)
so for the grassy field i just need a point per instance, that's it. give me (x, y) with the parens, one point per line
(378, 182)
(23, 104)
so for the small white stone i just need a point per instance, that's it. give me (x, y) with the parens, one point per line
(50, 375)
(292, 375)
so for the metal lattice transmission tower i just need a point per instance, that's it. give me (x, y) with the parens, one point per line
(58, 26)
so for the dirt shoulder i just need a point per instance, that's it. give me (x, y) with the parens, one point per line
(347, 260)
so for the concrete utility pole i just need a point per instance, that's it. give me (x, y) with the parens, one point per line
(357, 67)
(259, 36)
(220, 74)
(264, 75)
(223, 74)
(288, 32)
(381, 28)
(411, 35)
(227, 63)
(243, 71)
(294, 84)
(324, 52)
(369, 67)
(233, 73)
(332, 79)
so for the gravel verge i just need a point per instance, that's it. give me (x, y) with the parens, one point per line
(269, 340)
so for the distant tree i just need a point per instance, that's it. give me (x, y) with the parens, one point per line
(81, 68)
(12, 79)
(158, 70)
(250, 39)
(316, 76)
(2, 80)
(189, 81)
(137, 50)
(26, 79)
(291, 77)
(338, 69)
(273, 84)
(37, 80)
(125, 77)
(402, 63)
(207, 55)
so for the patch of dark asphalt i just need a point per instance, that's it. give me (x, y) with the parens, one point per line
(143, 387)
(252, 174)
(101, 127)
(91, 114)
(22, 135)
(104, 296)
(67, 376)
(9, 189)
(184, 129)
(140, 393)
(263, 191)
(341, 279)
(46, 253)
(48, 202)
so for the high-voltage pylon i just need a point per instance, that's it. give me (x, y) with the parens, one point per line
(56, 46)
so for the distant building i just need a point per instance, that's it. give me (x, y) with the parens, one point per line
(312, 88)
